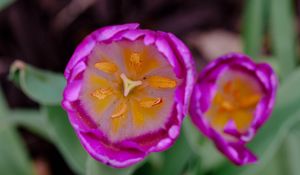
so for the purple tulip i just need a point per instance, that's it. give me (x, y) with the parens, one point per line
(127, 92)
(232, 98)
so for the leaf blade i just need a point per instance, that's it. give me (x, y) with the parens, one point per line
(42, 86)
(283, 35)
(65, 138)
(253, 27)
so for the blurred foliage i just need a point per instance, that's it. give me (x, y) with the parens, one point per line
(34, 83)
(14, 159)
(5, 3)
(253, 28)
(276, 144)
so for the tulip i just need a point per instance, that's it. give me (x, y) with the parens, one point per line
(127, 92)
(232, 98)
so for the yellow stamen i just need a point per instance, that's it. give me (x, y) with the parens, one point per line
(106, 67)
(102, 93)
(128, 84)
(120, 110)
(150, 102)
(227, 106)
(247, 102)
(135, 59)
(161, 82)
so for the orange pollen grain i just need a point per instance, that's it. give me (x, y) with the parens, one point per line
(102, 93)
(161, 82)
(106, 67)
(150, 102)
(120, 110)
(249, 101)
(135, 59)
(227, 106)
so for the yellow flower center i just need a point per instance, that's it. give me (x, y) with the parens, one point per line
(235, 99)
(128, 89)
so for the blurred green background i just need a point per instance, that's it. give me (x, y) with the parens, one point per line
(35, 136)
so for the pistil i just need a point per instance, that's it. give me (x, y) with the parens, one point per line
(128, 84)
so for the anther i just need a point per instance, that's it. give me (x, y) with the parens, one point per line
(249, 101)
(102, 93)
(161, 82)
(150, 102)
(135, 59)
(106, 67)
(120, 111)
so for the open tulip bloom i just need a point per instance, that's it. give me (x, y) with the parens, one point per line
(232, 98)
(127, 92)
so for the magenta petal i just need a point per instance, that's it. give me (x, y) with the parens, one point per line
(130, 150)
(85, 47)
(230, 140)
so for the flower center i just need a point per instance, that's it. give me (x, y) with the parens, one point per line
(129, 85)
(128, 89)
(236, 100)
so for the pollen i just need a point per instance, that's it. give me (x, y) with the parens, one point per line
(249, 101)
(106, 67)
(161, 82)
(120, 110)
(226, 105)
(150, 102)
(135, 59)
(102, 93)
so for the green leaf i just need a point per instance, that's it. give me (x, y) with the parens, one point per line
(176, 158)
(253, 28)
(292, 154)
(65, 139)
(96, 168)
(5, 3)
(283, 34)
(44, 87)
(273, 167)
(194, 167)
(173, 161)
(14, 159)
(3, 105)
(202, 147)
(33, 120)
(286, 160)
(288, 91)
(156, 160)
